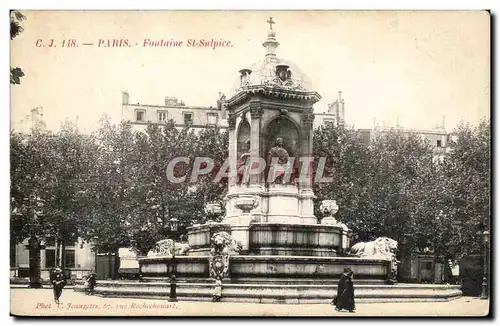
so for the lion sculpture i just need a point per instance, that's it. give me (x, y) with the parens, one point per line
(218, 259)
(384, 248)
(223, 242)
(165, 248)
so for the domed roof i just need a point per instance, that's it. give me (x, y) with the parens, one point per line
(263, 72)
(272, 72)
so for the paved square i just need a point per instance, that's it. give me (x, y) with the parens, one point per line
(39, 302)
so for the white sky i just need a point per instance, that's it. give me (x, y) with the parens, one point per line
(417, 66)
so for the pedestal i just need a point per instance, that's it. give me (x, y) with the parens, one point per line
(234, 192)
(240, 230)
(329, 220)
(283, 204)
(306, 205)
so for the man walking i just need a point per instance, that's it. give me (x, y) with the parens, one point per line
(58, 281)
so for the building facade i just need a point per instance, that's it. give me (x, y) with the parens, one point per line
(437, 137)
(77, 258)
(334, 115)
(196, 117)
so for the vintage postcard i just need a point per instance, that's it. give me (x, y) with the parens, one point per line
(250, 163)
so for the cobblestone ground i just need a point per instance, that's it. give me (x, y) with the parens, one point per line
(39, 302)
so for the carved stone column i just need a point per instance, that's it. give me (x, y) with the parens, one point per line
(305, 185)
(232, 147)
(256, 115)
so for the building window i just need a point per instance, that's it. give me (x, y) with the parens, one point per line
(162, 116)
(50, 258)
(12, 254)
(139, 115)
(188, 118)
(438, 143)
(69, 258)
(329, 121)
(212, 119)
(50, 241)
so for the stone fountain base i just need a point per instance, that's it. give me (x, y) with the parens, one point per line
(262, 268)
(279, 293)
(283, 263)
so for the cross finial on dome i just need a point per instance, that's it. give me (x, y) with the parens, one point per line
(270, 22)
(270, 43)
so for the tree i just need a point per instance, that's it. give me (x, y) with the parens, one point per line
(107, 187)
(376, 184)
(46, 170)
(158, 197)
(347, 163)
(132, 198)
(16, 18)
(403, 163)
(466, 190)
(212, 143)
(29, 175)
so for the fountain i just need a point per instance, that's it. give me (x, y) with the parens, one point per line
(269, 246)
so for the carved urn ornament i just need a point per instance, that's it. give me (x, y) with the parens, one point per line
(246, 203)
(213, 210)
(329, 208)
(245, 77)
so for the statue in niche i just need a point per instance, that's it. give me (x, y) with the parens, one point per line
(278, 162)
(241, 166)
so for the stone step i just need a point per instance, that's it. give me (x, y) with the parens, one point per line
(278, 293)
(305, 281)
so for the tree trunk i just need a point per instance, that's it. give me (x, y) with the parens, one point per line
(56, 252)
(34, 247)
(61, 256)
(116, 265)
(434, 268)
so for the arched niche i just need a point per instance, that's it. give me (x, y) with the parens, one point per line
(284, 128)
(243, 136)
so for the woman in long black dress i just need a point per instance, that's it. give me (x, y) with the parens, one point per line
(345, 292)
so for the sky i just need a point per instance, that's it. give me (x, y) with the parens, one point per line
(409, 67)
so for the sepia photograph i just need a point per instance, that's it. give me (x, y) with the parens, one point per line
(288, 163)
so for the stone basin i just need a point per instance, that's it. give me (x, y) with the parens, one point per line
(262, 268)
(276, 239)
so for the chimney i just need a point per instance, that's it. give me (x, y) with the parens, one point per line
(125, 98)
(34, 117)
(340, 103)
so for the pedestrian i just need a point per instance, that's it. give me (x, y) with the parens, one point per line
(217, 291)
(58, 281)
(344, 300)
(90, 283)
